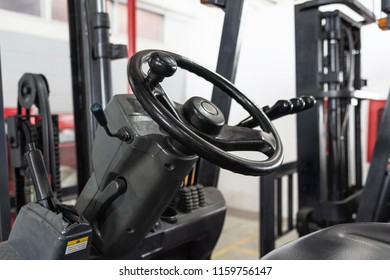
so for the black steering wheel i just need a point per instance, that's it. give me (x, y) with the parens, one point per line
(198, 124)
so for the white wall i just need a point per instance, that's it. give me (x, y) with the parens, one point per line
(192, 30)
(375, 58)
(266, 72)
(26, 53)
(35, 45)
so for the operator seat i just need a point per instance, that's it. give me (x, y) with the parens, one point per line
(360, 241)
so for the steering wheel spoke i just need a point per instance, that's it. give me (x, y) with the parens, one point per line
(233, 138)
(164, 99)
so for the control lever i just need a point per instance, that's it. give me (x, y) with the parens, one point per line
(40, 178)
(282, 108)
(98, 113)
(279, 109)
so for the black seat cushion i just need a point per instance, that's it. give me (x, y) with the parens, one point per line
(361, 241)
(8, 253)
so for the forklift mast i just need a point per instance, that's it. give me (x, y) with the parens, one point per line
(329, 138)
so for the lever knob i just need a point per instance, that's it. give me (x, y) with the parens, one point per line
(310, 101)
(161, 65)
(98, 113)
(298, 105)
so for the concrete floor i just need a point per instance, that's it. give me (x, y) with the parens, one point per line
(240, 237)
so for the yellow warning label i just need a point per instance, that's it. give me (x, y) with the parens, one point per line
(80, 240)
(76, 245)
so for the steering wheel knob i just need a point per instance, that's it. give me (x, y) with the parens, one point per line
(161, 65)
(203, 115)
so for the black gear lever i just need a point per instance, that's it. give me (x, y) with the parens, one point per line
(40, 179)
(282, 108)
(98, 113)
(279, 109)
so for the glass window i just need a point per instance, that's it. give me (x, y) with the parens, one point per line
(109, 7)
(30, 7)
(122, 19)
(149, 25)
(59, 10)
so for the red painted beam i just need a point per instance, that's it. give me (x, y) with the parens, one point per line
(132, 27)
(375, 111)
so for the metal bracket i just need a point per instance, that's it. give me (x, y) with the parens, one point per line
(369, 17)
(217, 3)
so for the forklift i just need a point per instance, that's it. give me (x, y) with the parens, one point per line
(124, 211)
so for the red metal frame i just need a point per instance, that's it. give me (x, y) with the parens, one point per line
(132, 27)
(375, 110)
